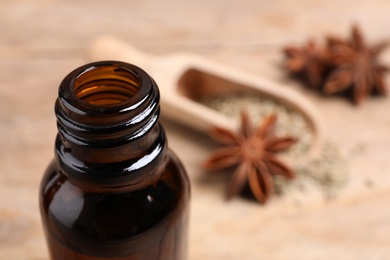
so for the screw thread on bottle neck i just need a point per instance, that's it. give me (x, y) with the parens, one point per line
(107, 118)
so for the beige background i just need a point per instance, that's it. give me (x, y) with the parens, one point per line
(42, 40)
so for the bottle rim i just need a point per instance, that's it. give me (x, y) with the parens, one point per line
(74, 103)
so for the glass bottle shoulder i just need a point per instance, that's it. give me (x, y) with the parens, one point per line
(108, 214)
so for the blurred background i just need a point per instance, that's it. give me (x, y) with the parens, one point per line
(43, 40)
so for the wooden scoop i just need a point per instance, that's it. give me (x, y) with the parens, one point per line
(184, 78)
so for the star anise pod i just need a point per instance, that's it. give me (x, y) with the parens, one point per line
(356, 67)
(254, 152)
(306, 62)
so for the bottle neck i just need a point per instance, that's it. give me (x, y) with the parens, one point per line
(108, 131)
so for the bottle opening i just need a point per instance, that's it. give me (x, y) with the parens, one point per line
(106, 85)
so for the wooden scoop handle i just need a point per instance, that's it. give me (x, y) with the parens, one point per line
(107, 47)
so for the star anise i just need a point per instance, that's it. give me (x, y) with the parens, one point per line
(254, 152)
(356, 66)
(306, 62)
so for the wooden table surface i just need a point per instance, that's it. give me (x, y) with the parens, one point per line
(42, 40)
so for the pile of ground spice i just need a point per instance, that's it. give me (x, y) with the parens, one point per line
(328, 170)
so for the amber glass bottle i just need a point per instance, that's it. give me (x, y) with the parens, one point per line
(114, 189)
